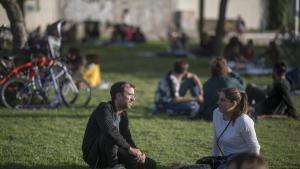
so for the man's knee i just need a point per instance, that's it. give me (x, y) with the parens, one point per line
(107, 153)
(125, 158)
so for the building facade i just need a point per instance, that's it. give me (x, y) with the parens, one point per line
(153, 16)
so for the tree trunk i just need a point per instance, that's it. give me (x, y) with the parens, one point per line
(21, 5)
(220, 28)
(16, 19)
(201, 21)
(279, 14)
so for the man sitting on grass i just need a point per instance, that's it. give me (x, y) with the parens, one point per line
(278, 101)
(107, 141)
(170, 94)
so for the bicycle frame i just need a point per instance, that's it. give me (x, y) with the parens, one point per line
(65, 72)
(18, 69)
(40, 85)
(57, 79)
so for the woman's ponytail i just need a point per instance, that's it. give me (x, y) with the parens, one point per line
(243, 103)
(240, 97)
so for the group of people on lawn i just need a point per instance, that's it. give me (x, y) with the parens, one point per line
(171, 92)
(223, 98)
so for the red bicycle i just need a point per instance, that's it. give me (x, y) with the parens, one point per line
(24, 70)
(9, 60)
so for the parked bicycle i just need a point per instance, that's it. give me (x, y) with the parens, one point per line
(53, 85)
(8, 70)
(17, 63)
(50, 87)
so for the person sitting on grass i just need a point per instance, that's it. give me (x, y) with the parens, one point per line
(272, 54)
(221, 77)
(171, 90)
(248, 51)
(139, 36)
(107, 141)
(233, 50)
(92, 73)
(278, 101)
(234, 130)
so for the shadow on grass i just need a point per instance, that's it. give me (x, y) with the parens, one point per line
(65, 166)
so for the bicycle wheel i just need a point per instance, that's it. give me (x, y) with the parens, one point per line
(15, 93)
(73, 98)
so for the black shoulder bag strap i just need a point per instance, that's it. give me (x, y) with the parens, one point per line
(218, 139)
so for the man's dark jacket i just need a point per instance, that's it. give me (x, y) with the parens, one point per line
(100, 125)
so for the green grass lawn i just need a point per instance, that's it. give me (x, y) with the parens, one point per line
(51, 139)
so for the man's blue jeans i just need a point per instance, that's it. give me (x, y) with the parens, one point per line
(185, 107)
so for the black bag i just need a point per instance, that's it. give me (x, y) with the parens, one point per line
(213, 161)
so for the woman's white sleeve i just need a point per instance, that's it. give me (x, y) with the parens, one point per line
(249, 135)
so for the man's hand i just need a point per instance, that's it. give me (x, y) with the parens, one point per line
(138, 154)
(142, 159)
(135, 152)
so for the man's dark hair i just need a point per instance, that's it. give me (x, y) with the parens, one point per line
(179, 66)
(219, 67)
(280, 68)
(119, 87)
